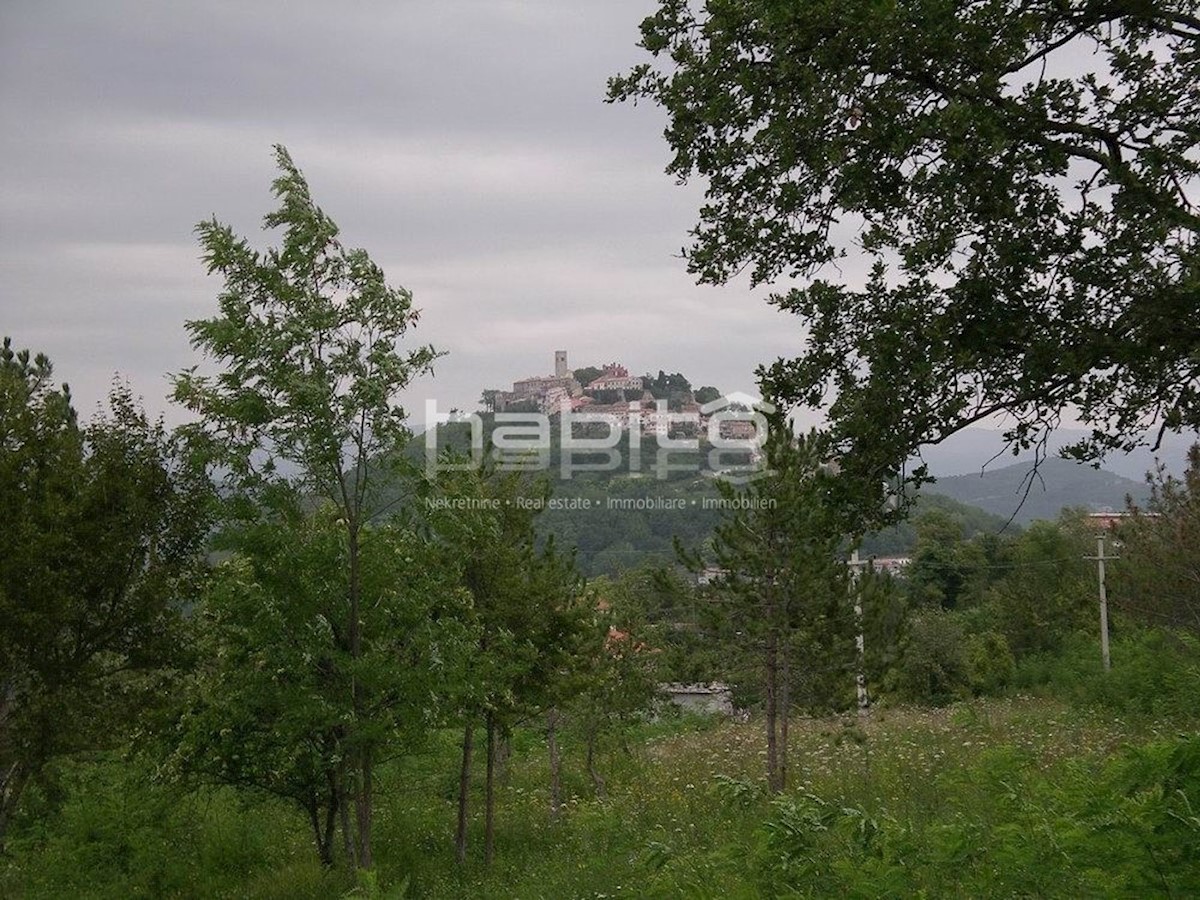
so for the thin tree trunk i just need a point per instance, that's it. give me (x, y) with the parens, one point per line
(362, 808)
(344, 814)
(597, 780)
(11, 787)
(464, 793)
(314, 822)
(330, 829)
(555, 764)
(785, 694)
(489, 817)
(320, 838)
(503, 753)
(363, 787)
(772, 677)
(331, 809)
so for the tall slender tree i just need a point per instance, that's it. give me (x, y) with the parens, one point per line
(780, 582)
(312, 338)
(526, 612)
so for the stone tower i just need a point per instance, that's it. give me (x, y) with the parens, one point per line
(560, 364)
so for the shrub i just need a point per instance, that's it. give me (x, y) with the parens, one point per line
(933, 665)
(1154, 673)
(990, 663)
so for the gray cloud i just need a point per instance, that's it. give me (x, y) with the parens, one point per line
(464, 144)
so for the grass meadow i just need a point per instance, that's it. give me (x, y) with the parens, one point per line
(1019, 797)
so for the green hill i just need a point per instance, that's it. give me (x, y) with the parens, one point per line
(1019, 493)
(629, 516)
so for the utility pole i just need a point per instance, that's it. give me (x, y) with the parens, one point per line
(1100, 559)
(860, 675)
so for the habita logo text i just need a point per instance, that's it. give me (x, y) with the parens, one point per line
(724, 437)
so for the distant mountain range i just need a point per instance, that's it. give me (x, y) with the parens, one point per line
(1016, 491)
(969, 451)
(620, 519)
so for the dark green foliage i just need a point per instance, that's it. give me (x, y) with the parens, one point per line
(779, 587)
(1019, 178)
(1158, 578)
(585, 375)
(118, 833)
(940, 661)
(625, 522)
(990, 663)
(1008, 597)
(628, 523)
(945, 569)
(995, 798)
(622, 518)
(527, 602)
(609, 396)
(311, 335)
(933, 665)
(616, 673)
(1154, 673)
(269, 706)
(674, 387)
(527, 613)
(683, 629)
(1044, 590)
(1129, 829)
(100, 550)
(901, 539)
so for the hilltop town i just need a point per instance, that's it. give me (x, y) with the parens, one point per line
(661, 404)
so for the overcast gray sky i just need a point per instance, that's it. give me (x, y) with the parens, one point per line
(464, 143)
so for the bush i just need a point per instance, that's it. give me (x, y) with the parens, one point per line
(990, 663)
(1154, 673)
(933, 666)
(1126, 827)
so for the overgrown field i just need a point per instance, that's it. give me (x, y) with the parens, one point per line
(1017, 797)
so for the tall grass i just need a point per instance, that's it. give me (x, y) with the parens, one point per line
(1003, 797)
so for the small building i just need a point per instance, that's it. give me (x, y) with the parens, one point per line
(535, 385)
(615, 377)
(738, 429)
(1107, 520)
(892, 565)
(708, 698)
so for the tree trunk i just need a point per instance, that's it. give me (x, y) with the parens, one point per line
(344, 814)
(771, 663)
(11, 787)
(331, 810)
(489, 817)
(362, 808)
(464, 793)
(314, 822)
(362, 793)
(785, 704)
(597, 780)
(324, 850)
(503, 752)
(555, 764)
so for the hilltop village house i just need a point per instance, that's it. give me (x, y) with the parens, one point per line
(610, 394)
